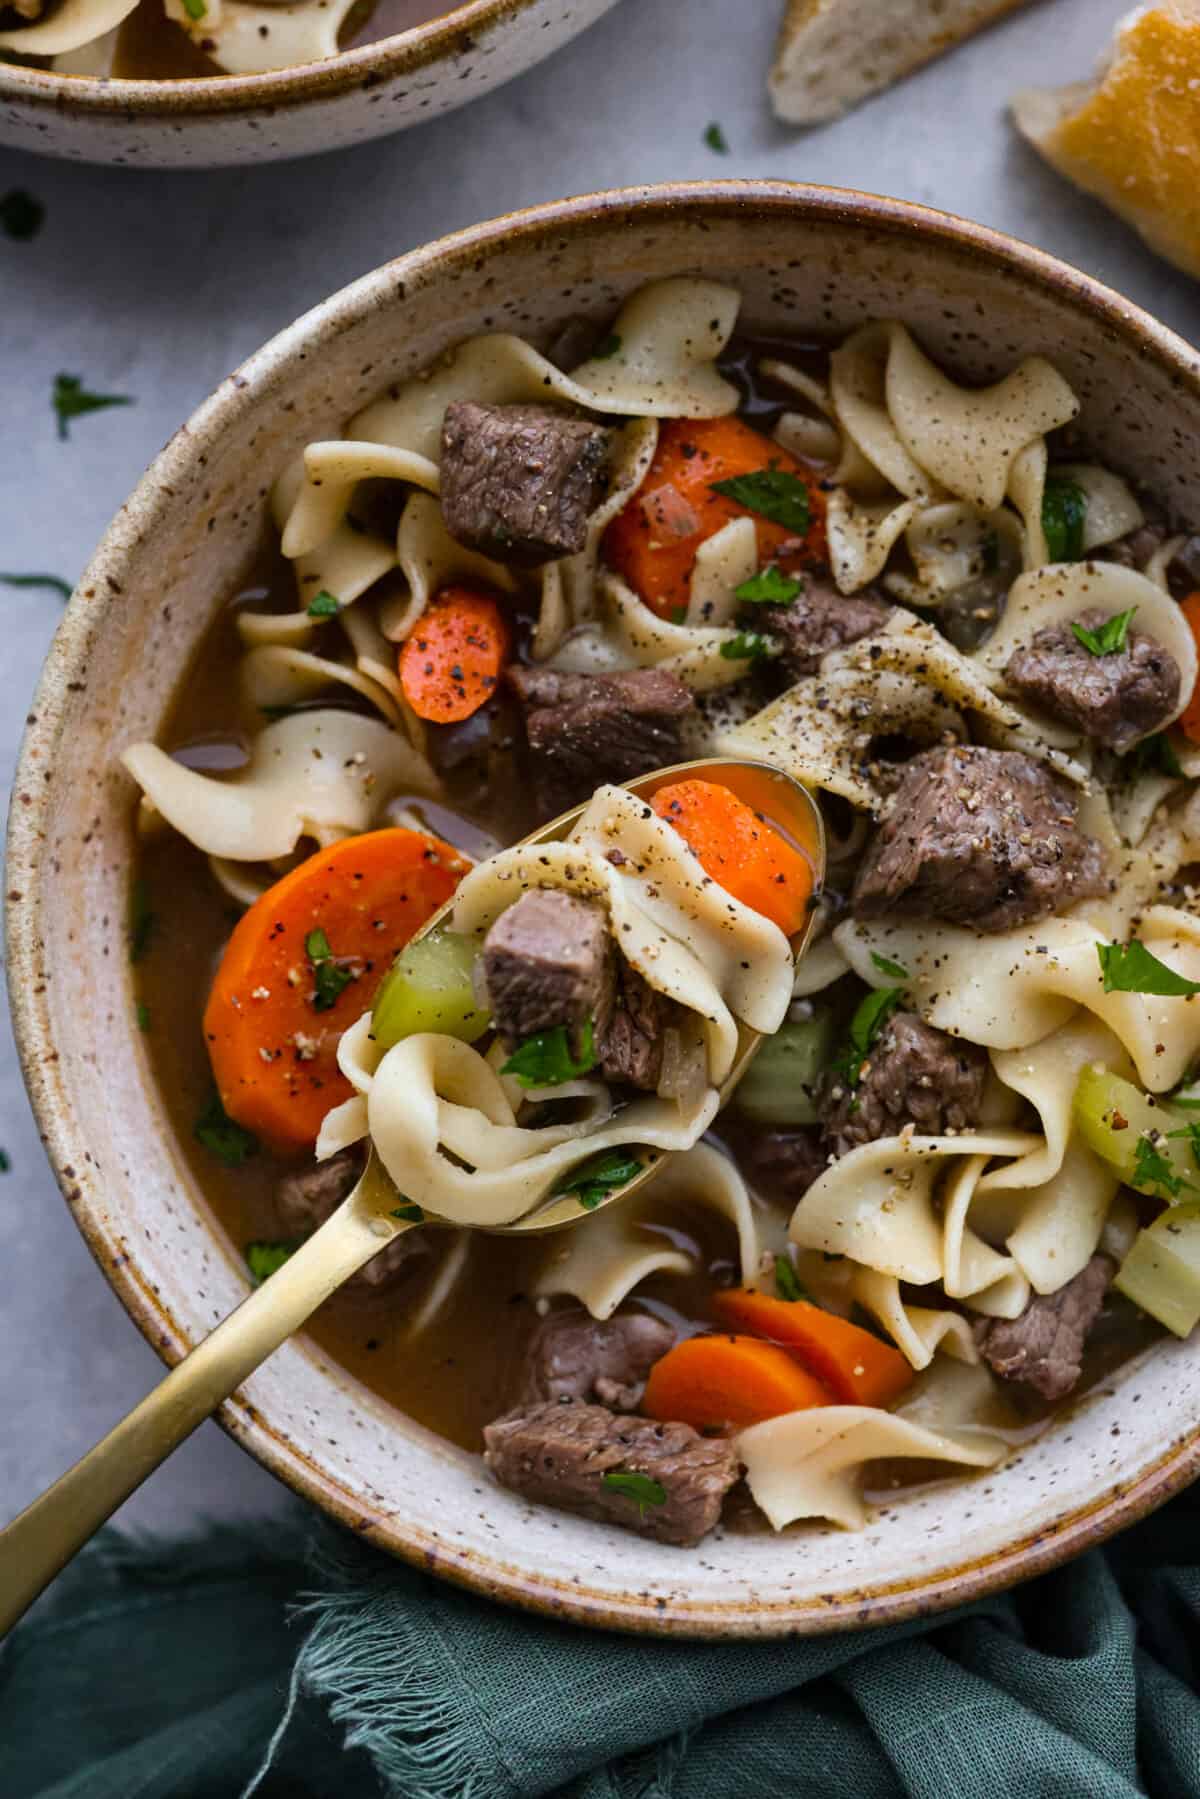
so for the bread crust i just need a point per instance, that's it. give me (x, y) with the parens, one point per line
(1132, 137)
(834, 53)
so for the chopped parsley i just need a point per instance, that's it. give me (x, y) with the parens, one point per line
(716, 140)
(324, 605)
(1064, 515)
(641, 1488)
(886, 966)
(871, 1015)
(1191, 1135)
(1154, 755)
(679, 615)
(330, 978)
(547, 1060)
(771, 492)
(21, 215)
(770, 587)
(52, 583)
(787, 1282)
(609, 348)
(1130, 968)
(5, 1164)
(143, 1016)
(599, 1176)
(748, 646)
(230, 1142)
(195, 9)
(71, 400)
(1108, 639)
(1151, 1169)
(143, 922)
(410, 1212)
(263, 1259)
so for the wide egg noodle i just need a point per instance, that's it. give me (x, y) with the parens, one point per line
(858, 383)
(333, 469)
(1110, 509)
(810, 1464)
(919, 1332)
(246, 39)
(956, 550)
(643, 640)
(862, 535)
(431, 559)
(274, 676)
(69, 26)
(1009, 990)
(1058, 593)
(669, 336)
(602, 1260)
(724, 562)
(319, 774)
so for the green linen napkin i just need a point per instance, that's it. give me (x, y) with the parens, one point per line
(291, 1660)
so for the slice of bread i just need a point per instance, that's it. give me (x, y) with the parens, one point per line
(833, 53)
(1132, 137)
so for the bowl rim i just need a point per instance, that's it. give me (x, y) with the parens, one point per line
(29, 834)
(215, 96)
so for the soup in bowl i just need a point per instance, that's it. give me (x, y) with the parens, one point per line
(482, 548)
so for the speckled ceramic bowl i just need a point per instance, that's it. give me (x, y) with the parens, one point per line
(364, 93)
(807, 260)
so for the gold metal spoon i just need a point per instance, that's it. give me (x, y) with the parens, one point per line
(38, 1543)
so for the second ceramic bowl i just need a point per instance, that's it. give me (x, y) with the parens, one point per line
(364, 93)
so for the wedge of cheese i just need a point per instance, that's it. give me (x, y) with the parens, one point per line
(833, 53)
(1132, 136)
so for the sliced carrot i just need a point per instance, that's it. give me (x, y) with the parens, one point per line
(273, 1019)
(728, 1383)
(855, 1366)
(455, 656)
(1189, 724)
(739, 849)
(652, 543)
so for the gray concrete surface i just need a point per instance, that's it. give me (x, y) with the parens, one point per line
(156, 285)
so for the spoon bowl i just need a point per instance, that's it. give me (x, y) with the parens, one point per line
(38, 1543)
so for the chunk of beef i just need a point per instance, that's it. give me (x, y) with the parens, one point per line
(586, 729)
(603, 1361)
(818, 620)
(558, 1454)
(915, 1074)
(548, 961)
(1044, 1346)
(781, 1164)
(630, 1041)
(1115, 699)
(521, 482)
(987, 838)
(304, 1200)
(1137, 547)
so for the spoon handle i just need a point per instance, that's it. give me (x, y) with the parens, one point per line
(44, 1537)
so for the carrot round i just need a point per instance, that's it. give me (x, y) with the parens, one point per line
(740, 850)
(855, 1366)
(652, 543)
(1189, 723)
(303, 963)
(455, 656)
(728, 1383)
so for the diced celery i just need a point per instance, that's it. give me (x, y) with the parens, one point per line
(1133, 1134)
(1161, 1273)
(777, 1087)
(429, 988)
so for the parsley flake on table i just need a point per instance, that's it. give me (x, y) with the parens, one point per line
(716, 140)
(547, 1059)
(71, 400)
(1108, 639)
(1131, 968)
(323, 605)
(773, 493)
(1064, 515)
(770, 587)
(5, 1163)
(230, 1142)
(330, 977)
(21, 214)
(641, 1488)
(599, 1176)
(52, 583)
